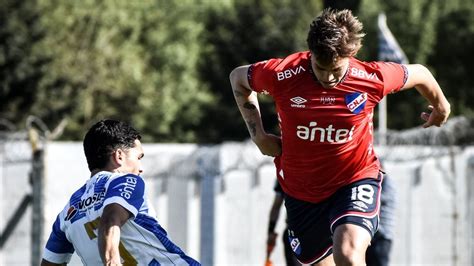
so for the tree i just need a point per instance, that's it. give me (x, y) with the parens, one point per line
(132, 60)
(245, 32)
(436, 34)
(452, 57)
(164, 65)
(20, 68)
(352, 5)
(413, 23)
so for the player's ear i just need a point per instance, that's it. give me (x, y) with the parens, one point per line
(118, 156)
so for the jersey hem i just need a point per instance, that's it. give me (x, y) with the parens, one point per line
(312, 199)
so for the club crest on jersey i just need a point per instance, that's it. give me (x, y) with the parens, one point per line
(295, 245)
(355, 102)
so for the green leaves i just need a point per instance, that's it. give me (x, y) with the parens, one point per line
(244, 33)
(20, 68)
(132, 60)
(164, 65)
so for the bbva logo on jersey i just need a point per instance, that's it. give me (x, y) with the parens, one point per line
(290, 73)
(363, 74)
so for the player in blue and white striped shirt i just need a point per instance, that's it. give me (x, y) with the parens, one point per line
(108, 221)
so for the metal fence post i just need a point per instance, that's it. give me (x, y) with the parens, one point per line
(37, 177)
(208, 169)
(470, 204)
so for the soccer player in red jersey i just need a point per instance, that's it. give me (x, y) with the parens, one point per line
(325, 161)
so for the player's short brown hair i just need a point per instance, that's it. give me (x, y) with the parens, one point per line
(335, 34)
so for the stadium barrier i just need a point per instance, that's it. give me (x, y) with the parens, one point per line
(214, 200)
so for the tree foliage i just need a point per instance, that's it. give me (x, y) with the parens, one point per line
(132, 60)
(20, 68)
(164, 65)
(431, 34)
(452, 57)
(246, 32)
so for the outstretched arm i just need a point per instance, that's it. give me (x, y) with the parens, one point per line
(248, 105)
(424, 82)
(113, 217)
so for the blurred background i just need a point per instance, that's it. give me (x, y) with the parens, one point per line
(164, 67)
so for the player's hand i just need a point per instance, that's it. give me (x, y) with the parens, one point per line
(269, 144)
(271, 242)
(435, 117)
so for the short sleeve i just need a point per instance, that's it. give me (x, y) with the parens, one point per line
(58, 248)
(128, 191)
(262, 75)
(394, 76)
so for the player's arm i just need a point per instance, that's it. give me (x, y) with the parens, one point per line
(424, 82)
(113, 217)
(58, 250)
(248, 105)
(47, 263)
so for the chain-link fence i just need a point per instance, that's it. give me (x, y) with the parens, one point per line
(22, 177)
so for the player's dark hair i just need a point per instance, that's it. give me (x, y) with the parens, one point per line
(335, 34)
(105, 137)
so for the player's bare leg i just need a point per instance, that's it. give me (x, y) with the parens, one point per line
(350, 243)
(328, 261)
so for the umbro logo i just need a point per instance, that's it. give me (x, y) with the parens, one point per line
(298, 102)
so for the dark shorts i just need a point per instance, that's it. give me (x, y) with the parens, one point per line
(311, 225)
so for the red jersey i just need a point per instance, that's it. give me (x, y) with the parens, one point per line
(326, 133)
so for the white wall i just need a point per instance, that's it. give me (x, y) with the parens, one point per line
(14, 170)
(434, 225)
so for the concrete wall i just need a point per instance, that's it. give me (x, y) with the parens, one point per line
(14, 169)
(434, 214)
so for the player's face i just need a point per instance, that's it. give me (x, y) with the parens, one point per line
(132, 159)
(329, 75)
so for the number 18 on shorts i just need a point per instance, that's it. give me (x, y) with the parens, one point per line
(311, 225)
